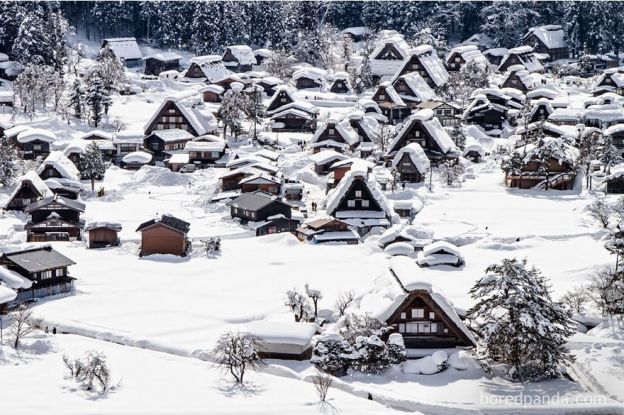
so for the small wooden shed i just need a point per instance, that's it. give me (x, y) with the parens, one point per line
(102, 234)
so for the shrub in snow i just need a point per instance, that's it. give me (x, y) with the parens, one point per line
(371, 354)
(354, 326)
(332, 354)
(601, 211)
(92, 372)
(607, 291)
(235, 353)
(321, 383)
(396, 349)
(458, 360)
(440, 357)
(518, 323)
(422, 366)
(451, 172)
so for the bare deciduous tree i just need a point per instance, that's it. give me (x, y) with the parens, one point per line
(344, 301)
(23, 325)
(607, 291)
(601, 211)
(322, 383)
(236, 353)
(92, 373)
(577, 299)
(315, 296)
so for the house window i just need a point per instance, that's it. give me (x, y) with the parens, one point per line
(457, 59)
(365, 203)
(403, 315)
(37, 147)
(416, 133)
(418, 313)
(382, 97)
(283, 99)
(402, 328)
(45, 274)
(331, 131)
(431, 315)
(351, 203)
(358, 193)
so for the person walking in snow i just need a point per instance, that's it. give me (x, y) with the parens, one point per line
(53, 330)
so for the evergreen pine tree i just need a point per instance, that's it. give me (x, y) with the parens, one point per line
(10, 164)
(92, 165)
(111, 69)
(610, 155)
(254, 108)
(518, 322)
(231, 111)
(76, 98)
(97, 97)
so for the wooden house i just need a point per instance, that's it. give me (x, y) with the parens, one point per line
(54, 218)
(37, 273)
(309, 78)
(616, 132)
(460, 55)
(440, 253)
(485, 113)
(339, 83)
(495, 55)
(262, 182)
(388, 55)
(391, 104)
(449, 114)
(262, 55)
(614, 183)
(411, 163)
(166, 235)
(298, 116)
(161, 62)
(126, 49)
(7, 98)
(334, 134)
(611, 80)
(10, 70)
(282, 97)
(162, 143)
(268, 213)
(212, 93)
(208, 68)
(269, 84)
(424, 129)
(205, 153)
(103, 234)
(135, 160)
(548, 40)
(413, 89)
(356, 34)
(57, 165)
(416, 235)
(30, 189)
(559, 173)
(520, 79)
(522, 55)
(324, 159)
(126, 143)
(31, 142)
(541, 110)
(340, 168)
(359, 201)
(418, 310)
(327, 231)
(176, 114)
(368, 131)
(424, 61)
(292, 190)
(238, 58)
(283, 340)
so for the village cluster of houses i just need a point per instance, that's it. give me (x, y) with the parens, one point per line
(346, 149)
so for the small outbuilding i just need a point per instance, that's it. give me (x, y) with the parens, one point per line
(161, 62)
(103, 234)
(165, 234)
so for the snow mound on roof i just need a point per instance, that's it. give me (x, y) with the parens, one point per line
(32, 134)
(416, 154)
(159, 176)
(399, 248)
(12, 279)
(6, 294)
(62, 164)
(283, 332)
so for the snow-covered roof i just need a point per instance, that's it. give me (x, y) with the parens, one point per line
(137, 157)
(62, 164)
(97, 133)
(32, 177)
(325, 156)
(213, 70)
(416, 154)
(125, 48)
(6, 294)
(335, 195)
(217, 89)
(32, 134)
(283, 332)
(178, 158)
(12, 279)
(205, 59)
(243, 54)
(265, 53)
(496, 52)
(419, 87)
(614, 129)
(551, 36)
(316, 74)
(205, 146)
(390, 289)
(164, 56)
(391, 93)
(439, 246)
(467, 52)
(428, 120)
(526, 56)
(108, 225)
(343, 128)
(200, 117)
(431, 63)
(417, 234)
(397, 41)
(174, 134)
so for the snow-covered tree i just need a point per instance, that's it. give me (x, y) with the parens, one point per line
(300, 305)
(10, 164)
(601, 211)
(343, 302)
(315, 296)
(206, 30)
(606, 287)
(356, 325)
(32, 44)
(372, 354)
(92, 372)
(231, 111)
(332, 353)
(97, 96)
(512, 165)
(254, 108)
(577, 299)
(22, 325)
(76, 98)
(111, 69)
(451, 172)
(588, 152)
(92, 164)
(396, 349)
(280, 64)
(610, 154)
(518, 323)
(235, 353)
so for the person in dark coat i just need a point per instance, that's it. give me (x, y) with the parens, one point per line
(53, 330)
